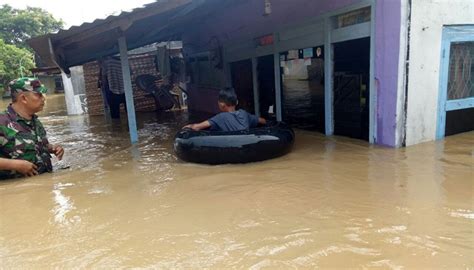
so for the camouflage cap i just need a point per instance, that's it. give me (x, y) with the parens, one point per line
(28, 84)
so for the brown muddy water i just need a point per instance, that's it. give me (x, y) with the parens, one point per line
(331, 203)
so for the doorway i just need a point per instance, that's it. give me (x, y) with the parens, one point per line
(266, 86)
(302, 85)
(351, 88)
(241, 74)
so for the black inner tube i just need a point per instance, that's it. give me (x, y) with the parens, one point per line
(217, 147)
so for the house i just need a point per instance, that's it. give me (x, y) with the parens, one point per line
(392, 72)
(50, 77)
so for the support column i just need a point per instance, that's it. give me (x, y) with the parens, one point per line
(127, 84)
(328, 80)
(372, 85)
(256, 91)
(276, 64)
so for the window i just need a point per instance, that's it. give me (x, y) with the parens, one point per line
(461, 71)
(353, 17)
(456, 91)
(58, 83)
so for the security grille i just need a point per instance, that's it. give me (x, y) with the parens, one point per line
(461, 71)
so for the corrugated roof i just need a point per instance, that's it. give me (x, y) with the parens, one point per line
(141, 26)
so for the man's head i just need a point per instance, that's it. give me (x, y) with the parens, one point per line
(28, 93)
(227, 99)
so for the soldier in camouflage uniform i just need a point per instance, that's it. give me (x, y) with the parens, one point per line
(24, 147)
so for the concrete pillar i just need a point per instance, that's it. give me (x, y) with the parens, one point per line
(328, 80)
(127, 84)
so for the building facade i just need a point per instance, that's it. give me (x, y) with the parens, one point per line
(364, 69)
(441, 52)
(391, 72)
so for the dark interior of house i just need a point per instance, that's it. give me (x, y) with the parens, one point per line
(351, 88)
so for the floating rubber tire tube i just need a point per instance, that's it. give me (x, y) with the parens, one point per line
(215, 147)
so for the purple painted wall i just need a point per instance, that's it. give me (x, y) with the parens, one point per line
(387, 51)
(242, 20)
(245, 19)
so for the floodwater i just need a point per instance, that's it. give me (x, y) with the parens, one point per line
(331, 203)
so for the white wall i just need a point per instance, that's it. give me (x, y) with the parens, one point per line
(427, 20)
(401, 94)
(74, 89)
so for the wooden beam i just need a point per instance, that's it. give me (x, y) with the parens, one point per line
(356, 31)
(459, 104)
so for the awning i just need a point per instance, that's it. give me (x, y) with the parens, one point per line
(163, 20)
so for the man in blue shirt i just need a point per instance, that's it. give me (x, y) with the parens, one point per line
(229, 119)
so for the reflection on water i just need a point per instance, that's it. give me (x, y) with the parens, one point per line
(332, 202)
(303, 103)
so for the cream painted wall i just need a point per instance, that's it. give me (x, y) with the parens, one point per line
(427, 20)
